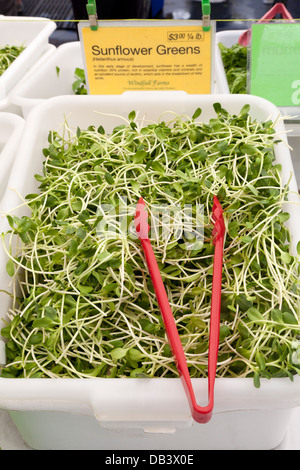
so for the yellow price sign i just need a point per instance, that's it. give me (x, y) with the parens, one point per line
(137, 56)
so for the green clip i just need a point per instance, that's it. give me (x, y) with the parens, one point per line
(92, 12)
(206, 10)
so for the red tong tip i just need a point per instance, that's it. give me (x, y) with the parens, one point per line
(217, 216)
(140, 220)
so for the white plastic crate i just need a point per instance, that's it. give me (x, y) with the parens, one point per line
(11, 128)
(33, 33)
(139, 413)
(6, 104)
(229, 38)
(54, 78)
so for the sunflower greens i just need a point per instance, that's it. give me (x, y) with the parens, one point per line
(86, 306)
(8, 55)
(235, 63)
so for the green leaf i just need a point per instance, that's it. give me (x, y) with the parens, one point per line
(160, 133)
(62, 214)
(217, 108)
(249, 149)
(139, 156)
(254, 315)
(201, 155)
(276, 315)
(256, 380)
(10, 267)
(85, 289)
(44, 322)
(243, 330)
(76, 205)
(196, 113)
(69, 315)
(109, 178)
(70, 230)
(224, 332)
(156, 166)
(111, 287)
(118, 353)
(135, 354)
(178, 187)
(83, 216)
(260, 361)
(222, 146)
(245, 110)
(221, 195)
(246, 239)
(103, 256)
(5, 331)
(35, 339)
(233, 229)
(81, 233)
(79, 72)
(252, 189)
(131, 115)
(285, 257)
(289, 318)
(243, 302)
(73, 247)
(283, 217)
(24, 225)
(50, 312)
(94, 372)
(139, 372)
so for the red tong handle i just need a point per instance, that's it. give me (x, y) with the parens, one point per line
(200, 414)
(277, 9)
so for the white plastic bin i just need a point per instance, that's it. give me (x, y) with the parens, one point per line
(6, 104)
(54, 78)
(33, 33)
(294, 142)
(229, 38)
(139, 413)
(11, 128)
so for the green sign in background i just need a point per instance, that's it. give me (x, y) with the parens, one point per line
(275, 63)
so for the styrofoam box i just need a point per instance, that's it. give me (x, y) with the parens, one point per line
(101, 413)
(11, 128)
(33, 33)
(47, 82)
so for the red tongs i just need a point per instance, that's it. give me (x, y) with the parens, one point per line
(277, 9)
(200, 414)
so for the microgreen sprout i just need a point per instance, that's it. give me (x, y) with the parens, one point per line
(235, 64)
(8, 55)
(79, 85)
(86, 306)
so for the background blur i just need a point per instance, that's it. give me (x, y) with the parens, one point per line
(70, 10)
